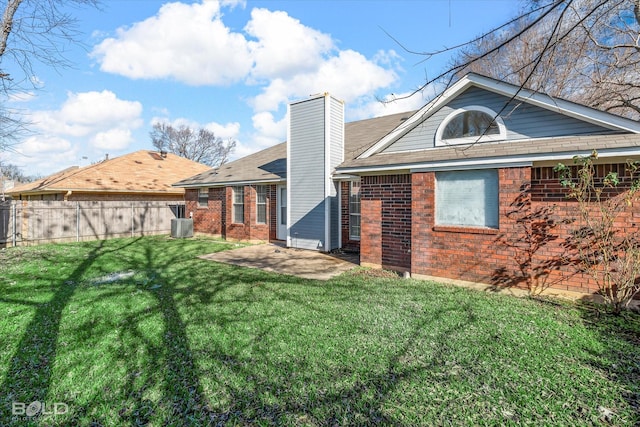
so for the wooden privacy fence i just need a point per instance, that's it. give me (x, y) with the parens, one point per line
(33, 222)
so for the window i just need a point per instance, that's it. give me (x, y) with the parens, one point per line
(203, 197)
(238, 205)
(467, 198)
(354, 210)
(178, 210)
(261, 203)
(471, 124)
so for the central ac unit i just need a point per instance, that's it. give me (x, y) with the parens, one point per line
(181, 227)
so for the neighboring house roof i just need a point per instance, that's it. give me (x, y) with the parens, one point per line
(270, 164)
(143, 171)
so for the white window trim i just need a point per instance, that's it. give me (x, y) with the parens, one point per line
(201, 193)
(351, 237)
(439, 142)
(234, 204)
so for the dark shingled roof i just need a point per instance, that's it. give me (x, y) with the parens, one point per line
(270, 164)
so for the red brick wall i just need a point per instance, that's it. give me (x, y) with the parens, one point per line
(347, 243)
(531, 241)
(548, 195)
(546, 187)
(209, 219)
(385, 203)
(462, 253)
(217, 217)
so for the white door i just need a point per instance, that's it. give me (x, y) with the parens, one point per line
(281, 214)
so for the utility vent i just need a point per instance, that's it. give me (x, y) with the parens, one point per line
(181, 227)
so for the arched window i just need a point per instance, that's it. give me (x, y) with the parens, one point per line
(470, 124)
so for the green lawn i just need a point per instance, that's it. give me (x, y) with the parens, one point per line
(174, 340)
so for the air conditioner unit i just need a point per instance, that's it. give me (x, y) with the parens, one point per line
(181, 227)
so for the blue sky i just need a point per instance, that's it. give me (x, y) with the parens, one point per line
(232, 66)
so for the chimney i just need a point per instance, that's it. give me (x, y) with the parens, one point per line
(315, 146)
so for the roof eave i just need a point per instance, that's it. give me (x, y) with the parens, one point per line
(486, 162)
(230, 183)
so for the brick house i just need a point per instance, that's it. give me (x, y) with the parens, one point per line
(143, 175)
(448, 191)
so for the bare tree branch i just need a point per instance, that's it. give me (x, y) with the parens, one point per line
(201, 146)
(31, 32)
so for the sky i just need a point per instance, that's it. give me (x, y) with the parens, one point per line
(232, 66)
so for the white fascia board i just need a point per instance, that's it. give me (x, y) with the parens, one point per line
(344, 177)
(493, 162)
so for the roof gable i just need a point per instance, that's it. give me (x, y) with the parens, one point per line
(592, 118)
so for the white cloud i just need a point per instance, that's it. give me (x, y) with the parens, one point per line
(390, 104)
(229, 130)
(86, 124)
(348, 76)
(39, 145)
(284, 46)
(189, 43)
(274, 55)
(112, 139)
(89, 112)
(42, 155)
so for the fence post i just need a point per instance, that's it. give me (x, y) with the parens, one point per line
(15, 228)
(77, 221)
(132, 221)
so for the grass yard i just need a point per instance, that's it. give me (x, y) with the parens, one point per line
(141, 332)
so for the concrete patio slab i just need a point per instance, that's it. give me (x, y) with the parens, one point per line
(296, 262)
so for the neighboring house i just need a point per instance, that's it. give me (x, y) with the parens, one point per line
(140, 176)
(443, 192)
(5, 185)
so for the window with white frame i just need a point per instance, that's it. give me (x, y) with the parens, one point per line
(261, 204)
(354, 210)
(467, 198)
(203, 197)
(238, 205)
(471, 124)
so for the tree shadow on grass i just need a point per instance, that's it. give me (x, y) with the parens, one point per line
(176, 367)
(619, 358)
(247, 394)
(28, 377)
